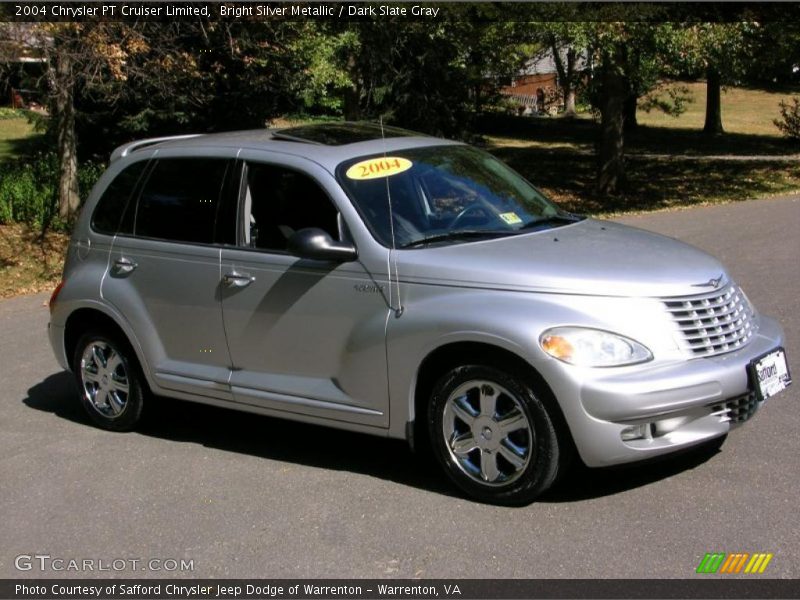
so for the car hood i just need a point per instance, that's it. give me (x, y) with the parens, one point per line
(588, 257)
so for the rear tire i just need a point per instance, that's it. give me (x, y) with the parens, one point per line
(493, 436)
(110, 381)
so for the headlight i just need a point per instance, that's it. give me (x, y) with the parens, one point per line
(592, 347)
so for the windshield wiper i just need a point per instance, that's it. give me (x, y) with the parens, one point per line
(456, 235)
(559, 218)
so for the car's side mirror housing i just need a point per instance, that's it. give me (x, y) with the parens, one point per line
(316, 244)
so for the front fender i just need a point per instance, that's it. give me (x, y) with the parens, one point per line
(435, 316)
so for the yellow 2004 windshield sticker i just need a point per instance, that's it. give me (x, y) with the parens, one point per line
(374, 168)
(511, 218)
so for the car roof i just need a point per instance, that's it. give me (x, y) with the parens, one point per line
(325, 143)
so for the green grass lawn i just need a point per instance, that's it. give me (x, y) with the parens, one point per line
(15, 135)
(744, 111)
(670, 162)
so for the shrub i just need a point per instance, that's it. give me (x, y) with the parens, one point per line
(789, 123)
(29, 190)
(40, 122)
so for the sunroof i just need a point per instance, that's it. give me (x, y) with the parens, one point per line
(339, 134)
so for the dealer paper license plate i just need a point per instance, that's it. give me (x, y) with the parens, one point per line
(770, 374)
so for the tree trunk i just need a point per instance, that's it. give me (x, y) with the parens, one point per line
(566, 75)
(351, 108)
(477, 98)
(713, 125)
(569, 85)
(631, 124)
(611, 167)
(569, 104)
(352, 94)
(66, 145)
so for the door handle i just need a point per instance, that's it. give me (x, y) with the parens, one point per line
(239, 280)
(124, 265)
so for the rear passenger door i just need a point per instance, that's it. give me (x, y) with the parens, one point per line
(164, 271)
(305, 336)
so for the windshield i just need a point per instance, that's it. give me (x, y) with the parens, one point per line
(444, 194)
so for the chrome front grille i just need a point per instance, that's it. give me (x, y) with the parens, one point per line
(714, 323)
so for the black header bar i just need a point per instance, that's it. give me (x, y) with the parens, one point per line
(255, 10)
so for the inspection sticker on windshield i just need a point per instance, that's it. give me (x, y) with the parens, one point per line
(374, 168)
(511, 218)
(770, 374)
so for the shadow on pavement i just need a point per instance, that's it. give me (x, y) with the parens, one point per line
(322, 447)
(256, 435)
(583, 483)
(58, 395)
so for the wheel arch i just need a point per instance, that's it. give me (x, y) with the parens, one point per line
(84, 318)
(448, 356)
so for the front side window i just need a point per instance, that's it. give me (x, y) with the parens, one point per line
(180, 199)
(443, 194)
(279, 201)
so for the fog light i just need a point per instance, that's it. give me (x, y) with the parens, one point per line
(637, 432)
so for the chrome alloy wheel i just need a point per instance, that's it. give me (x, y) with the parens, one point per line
(104, 379)
(487, 432)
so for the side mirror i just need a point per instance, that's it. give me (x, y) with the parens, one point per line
(317, 244)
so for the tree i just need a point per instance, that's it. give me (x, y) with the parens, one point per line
(78, 55)
(332, 83)
(565, 41)
(612, 89)
(720, 51)
(773, 52)
(402, 73)
(620, 74)
(567, 75)
(492, 51)
(629, 58)
(203, 76)
(431, 77)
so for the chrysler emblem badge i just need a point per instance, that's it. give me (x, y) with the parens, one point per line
(712, 283)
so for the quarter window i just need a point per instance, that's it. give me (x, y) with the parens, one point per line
(108, 216)
(180, 199)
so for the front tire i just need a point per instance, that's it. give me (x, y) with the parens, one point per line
(492, 435)
(109, 380)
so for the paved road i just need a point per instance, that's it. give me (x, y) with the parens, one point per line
(256, 497)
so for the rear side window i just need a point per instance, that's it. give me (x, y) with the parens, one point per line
(179, 201)
(108, 214)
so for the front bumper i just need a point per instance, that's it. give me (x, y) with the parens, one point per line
(659, 408)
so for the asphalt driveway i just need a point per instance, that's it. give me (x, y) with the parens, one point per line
(246, 496)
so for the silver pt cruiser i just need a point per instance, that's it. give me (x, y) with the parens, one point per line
(386, 282)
